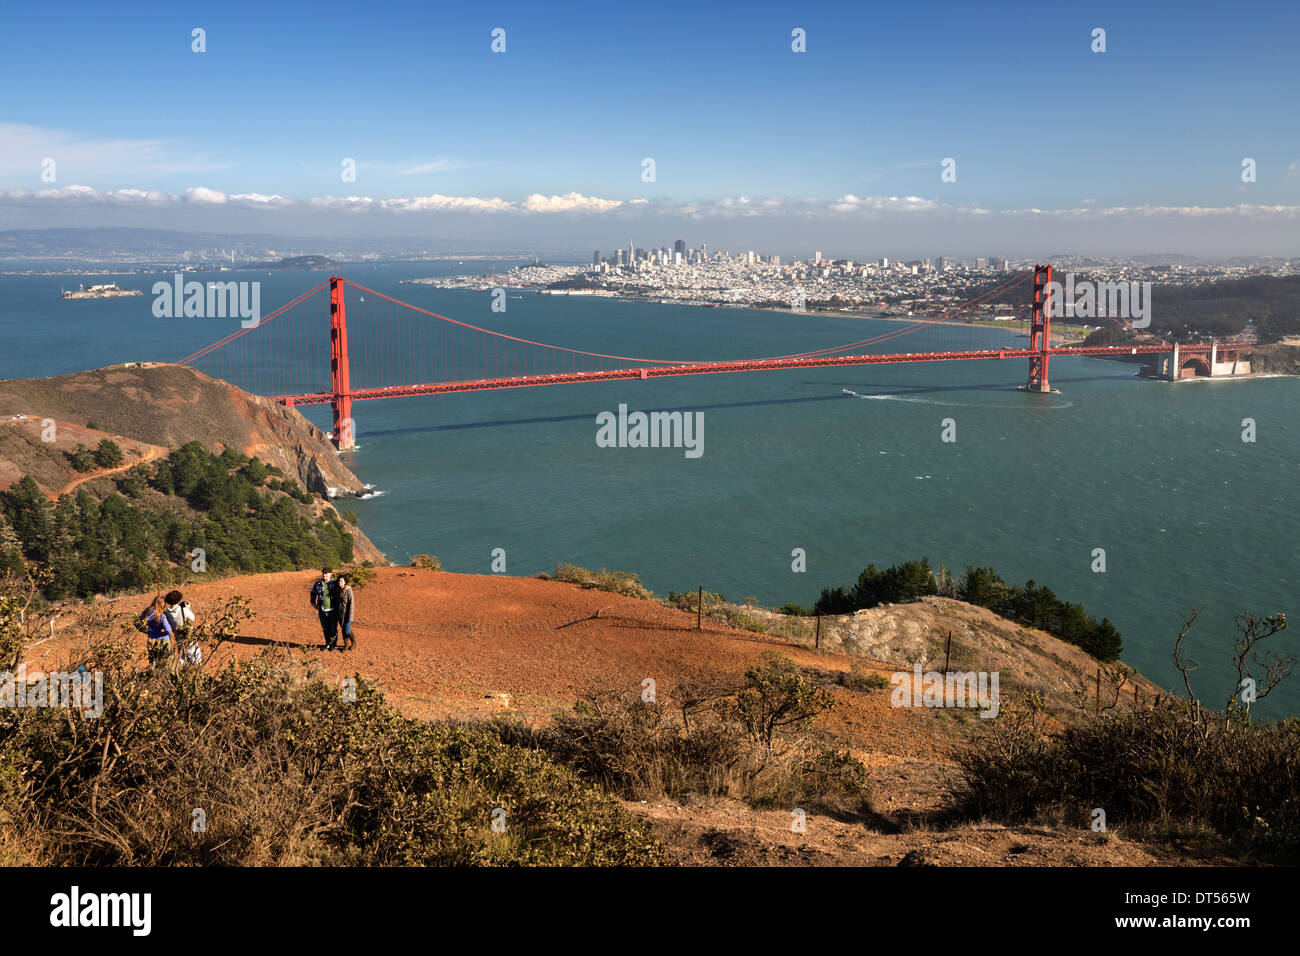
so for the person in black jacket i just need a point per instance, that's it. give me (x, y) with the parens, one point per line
(324, 598)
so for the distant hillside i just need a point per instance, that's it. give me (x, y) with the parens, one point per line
(149, 411)
(1223, 308)
(169, 405)
(1218, 309)
(296, 262)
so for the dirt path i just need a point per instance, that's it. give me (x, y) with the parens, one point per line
(465, 645)
(151, 454)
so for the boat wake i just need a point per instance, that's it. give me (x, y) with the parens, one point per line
(932, 401)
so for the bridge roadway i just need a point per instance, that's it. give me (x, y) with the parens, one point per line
(714, 368)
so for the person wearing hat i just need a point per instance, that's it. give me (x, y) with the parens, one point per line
(324, 598)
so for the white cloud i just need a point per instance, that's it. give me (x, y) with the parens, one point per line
(845, 208)
(852, 203)
(434, 203)
(569, 202)
(86, 194)
(202, 194)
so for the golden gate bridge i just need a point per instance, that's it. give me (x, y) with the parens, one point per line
(410, 351)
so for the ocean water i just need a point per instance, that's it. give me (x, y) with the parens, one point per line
(1155, 474)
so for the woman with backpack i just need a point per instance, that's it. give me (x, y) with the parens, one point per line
(159, 628)
(181, 616)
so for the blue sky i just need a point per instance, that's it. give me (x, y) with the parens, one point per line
(412, 92)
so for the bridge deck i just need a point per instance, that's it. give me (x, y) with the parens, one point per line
(715, 368)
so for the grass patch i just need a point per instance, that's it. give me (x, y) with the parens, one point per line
(616, 582)
(859, 677)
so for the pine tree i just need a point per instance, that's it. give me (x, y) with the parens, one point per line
(11, 549)
(108, 455)
(29, 511)
(83, 459)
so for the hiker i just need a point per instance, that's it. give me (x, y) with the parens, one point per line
(325, 600)
(178, 612)
(160, 632)
(181, 616)
(346, 605)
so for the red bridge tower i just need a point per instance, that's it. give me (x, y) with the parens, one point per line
(1040, 332)
(341, 389)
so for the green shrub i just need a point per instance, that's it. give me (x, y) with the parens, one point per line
(108, 454)
(778, 698)
(82, 459)
(359, 575)
(426, 562)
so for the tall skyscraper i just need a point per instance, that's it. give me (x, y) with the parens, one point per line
(680, 246)
(595, 259)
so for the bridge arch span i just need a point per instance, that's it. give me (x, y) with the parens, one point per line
(1193, 366)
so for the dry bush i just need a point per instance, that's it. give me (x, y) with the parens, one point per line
(1160, 772)
(744, 617)
(255, 765)
(749, 743)
(616, 582)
